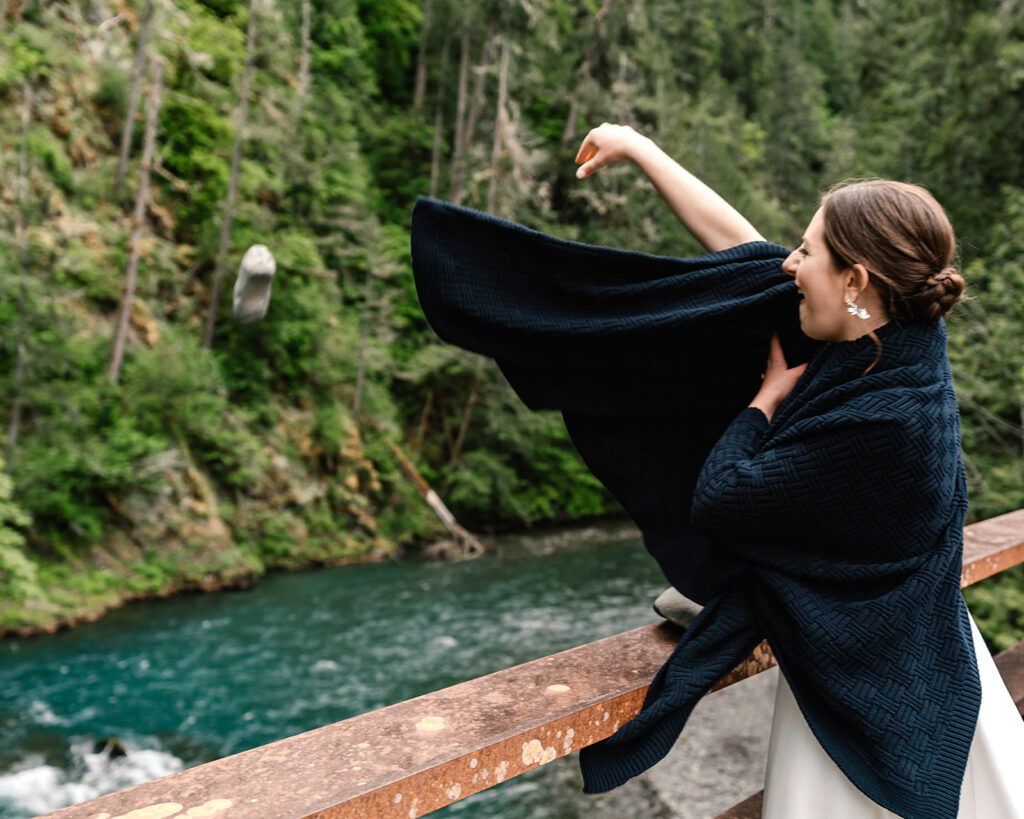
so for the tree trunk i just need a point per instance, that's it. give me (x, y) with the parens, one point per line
(138, 219)
(469, 545)
(421, 429)
(474, 396)
(236, 158)
(467, 542)
(133, 95)
(420, 87)
(435, 152)
(476, 106)
(585, 73)
(500, 125)
(304, 57)
(19, 238)
(458, 161)
(364, 332)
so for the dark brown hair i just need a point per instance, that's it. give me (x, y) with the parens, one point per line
(904, 239)
(902, 236)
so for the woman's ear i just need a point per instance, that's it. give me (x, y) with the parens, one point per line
(857, 279)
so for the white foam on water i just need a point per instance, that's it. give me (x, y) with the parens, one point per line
(33, 787)
(42, 714)
(325, 665)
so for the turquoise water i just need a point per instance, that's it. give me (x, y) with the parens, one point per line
(194, 678)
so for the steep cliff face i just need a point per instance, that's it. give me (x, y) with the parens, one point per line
(193, 468)
(179, 532)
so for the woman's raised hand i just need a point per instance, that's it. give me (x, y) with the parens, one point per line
(605, 145)
(715, 223)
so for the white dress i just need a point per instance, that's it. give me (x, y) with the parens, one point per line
(802, 782)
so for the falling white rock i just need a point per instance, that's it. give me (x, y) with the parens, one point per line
(252, 287)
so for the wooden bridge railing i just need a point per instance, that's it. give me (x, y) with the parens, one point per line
(416, 756)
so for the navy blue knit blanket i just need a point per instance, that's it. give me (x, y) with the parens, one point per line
(835, 531)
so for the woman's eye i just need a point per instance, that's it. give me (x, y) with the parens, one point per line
(802, 251)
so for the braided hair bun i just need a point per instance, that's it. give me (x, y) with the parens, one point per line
(939, 294)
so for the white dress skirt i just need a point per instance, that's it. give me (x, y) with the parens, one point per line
(802, 781)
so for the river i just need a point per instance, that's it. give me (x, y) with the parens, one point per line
(183, 681)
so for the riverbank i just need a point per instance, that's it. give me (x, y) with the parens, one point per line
(75, 594)
(119, 574)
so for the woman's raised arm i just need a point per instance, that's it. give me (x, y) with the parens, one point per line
(716, 224)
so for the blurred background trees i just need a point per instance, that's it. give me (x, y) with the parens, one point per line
(205, 467)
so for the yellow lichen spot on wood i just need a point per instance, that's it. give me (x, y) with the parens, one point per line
(398, 798)
(430, 724)
(473, 762)
(501, 771)
(209, 808)
(606, 716)
(557, 688)
(535, 753)
(567, 742)
(532, 751)
(455, 791)
(160, 810)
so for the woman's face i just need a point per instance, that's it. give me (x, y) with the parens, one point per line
(823, 312)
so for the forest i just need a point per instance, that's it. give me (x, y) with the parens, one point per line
(152, 445)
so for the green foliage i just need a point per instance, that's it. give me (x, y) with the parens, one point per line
(177, 387)
(18, 573)
(340, 45)
(51, 152)
(398, 150)
(997, 605)
(26, 53)
(224, 8)
(196, 136)
(392, 34)
(249, 456)
(81, 446)
(988, 361)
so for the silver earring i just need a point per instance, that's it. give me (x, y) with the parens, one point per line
(854, 310)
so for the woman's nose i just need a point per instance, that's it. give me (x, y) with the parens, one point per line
(790, 264)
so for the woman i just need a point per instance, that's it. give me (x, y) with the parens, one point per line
(874, 269)
(825, 514)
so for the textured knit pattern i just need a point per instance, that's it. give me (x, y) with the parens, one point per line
(835, 531)
(648, 358)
